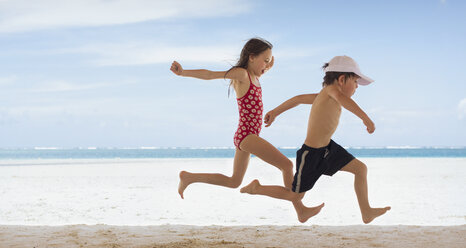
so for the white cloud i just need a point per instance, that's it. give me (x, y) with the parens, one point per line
(139, 53)
(62, 86)
(26, 15)
(143, 53)
(462, 109)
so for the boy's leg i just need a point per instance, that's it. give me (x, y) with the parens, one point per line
(240, 165)
(304, 213)
(359, 169)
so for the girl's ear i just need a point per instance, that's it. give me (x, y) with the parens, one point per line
(251, 58)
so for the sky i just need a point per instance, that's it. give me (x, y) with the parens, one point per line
(95, 73)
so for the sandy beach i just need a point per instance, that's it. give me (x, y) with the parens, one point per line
(134, 203)
(171, 236)
(125, 192)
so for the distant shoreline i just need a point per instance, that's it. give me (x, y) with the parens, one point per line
(212, 152)
(211, 147)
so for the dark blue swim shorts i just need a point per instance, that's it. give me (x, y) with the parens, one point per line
(311, 163)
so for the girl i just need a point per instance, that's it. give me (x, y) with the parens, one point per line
(255, 60)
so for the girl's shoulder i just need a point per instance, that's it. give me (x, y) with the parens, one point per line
(238, 74)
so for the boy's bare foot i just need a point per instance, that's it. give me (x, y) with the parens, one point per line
(307, 213)
(250, 188)
(183, 183)
(373, 213)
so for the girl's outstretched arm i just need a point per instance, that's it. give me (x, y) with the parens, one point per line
(288, 104)
(239, 74)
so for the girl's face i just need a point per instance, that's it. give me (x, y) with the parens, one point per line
(349, 86)
(258, 64)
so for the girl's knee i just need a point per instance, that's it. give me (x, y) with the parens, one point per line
(287, 166)
(235, 182)
(297, 196)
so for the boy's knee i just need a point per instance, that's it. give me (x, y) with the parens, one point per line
(361, 168)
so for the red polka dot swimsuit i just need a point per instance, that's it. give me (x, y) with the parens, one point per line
(250, 113)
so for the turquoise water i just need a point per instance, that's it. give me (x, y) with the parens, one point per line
(142, 153)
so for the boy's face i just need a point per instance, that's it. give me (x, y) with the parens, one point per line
(349, 86)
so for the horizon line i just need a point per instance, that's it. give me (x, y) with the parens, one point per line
(38, 148)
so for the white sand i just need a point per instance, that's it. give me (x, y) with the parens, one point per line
(421, 191)
(169, 236)
(128, 203)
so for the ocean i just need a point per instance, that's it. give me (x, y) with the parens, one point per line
(179, 152)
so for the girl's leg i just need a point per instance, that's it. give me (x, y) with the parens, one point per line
(279, 192)
(270, 154)
(240, 165)
(359, 169)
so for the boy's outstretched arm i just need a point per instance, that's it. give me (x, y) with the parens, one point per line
(353, 107)
(239, 74)
(288, 104)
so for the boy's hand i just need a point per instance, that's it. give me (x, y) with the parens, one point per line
(370, 125)
(269, 118)
(176, 68)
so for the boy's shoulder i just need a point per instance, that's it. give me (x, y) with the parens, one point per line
(326, 96)
(332, 91)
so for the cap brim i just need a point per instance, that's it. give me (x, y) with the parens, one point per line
(364, 80)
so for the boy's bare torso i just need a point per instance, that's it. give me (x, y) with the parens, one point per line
(323, 120)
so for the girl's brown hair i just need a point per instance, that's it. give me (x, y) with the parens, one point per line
(254, 46)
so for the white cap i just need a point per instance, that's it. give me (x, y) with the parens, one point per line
(347, 64)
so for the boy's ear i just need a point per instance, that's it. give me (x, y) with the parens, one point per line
(341, 79)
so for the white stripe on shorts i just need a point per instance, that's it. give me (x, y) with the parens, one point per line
(300, 171)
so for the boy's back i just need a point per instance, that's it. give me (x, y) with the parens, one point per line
(323, 119)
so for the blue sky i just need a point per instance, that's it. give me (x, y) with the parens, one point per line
(95, 73)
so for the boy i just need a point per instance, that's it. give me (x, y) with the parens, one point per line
(320, 154)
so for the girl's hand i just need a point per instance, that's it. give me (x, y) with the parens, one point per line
(269, 118)
(370, 125)
(176, 68)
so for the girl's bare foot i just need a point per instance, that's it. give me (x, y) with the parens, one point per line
(307, 213)
(250, 188)
(373, 213)
(184, 182)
